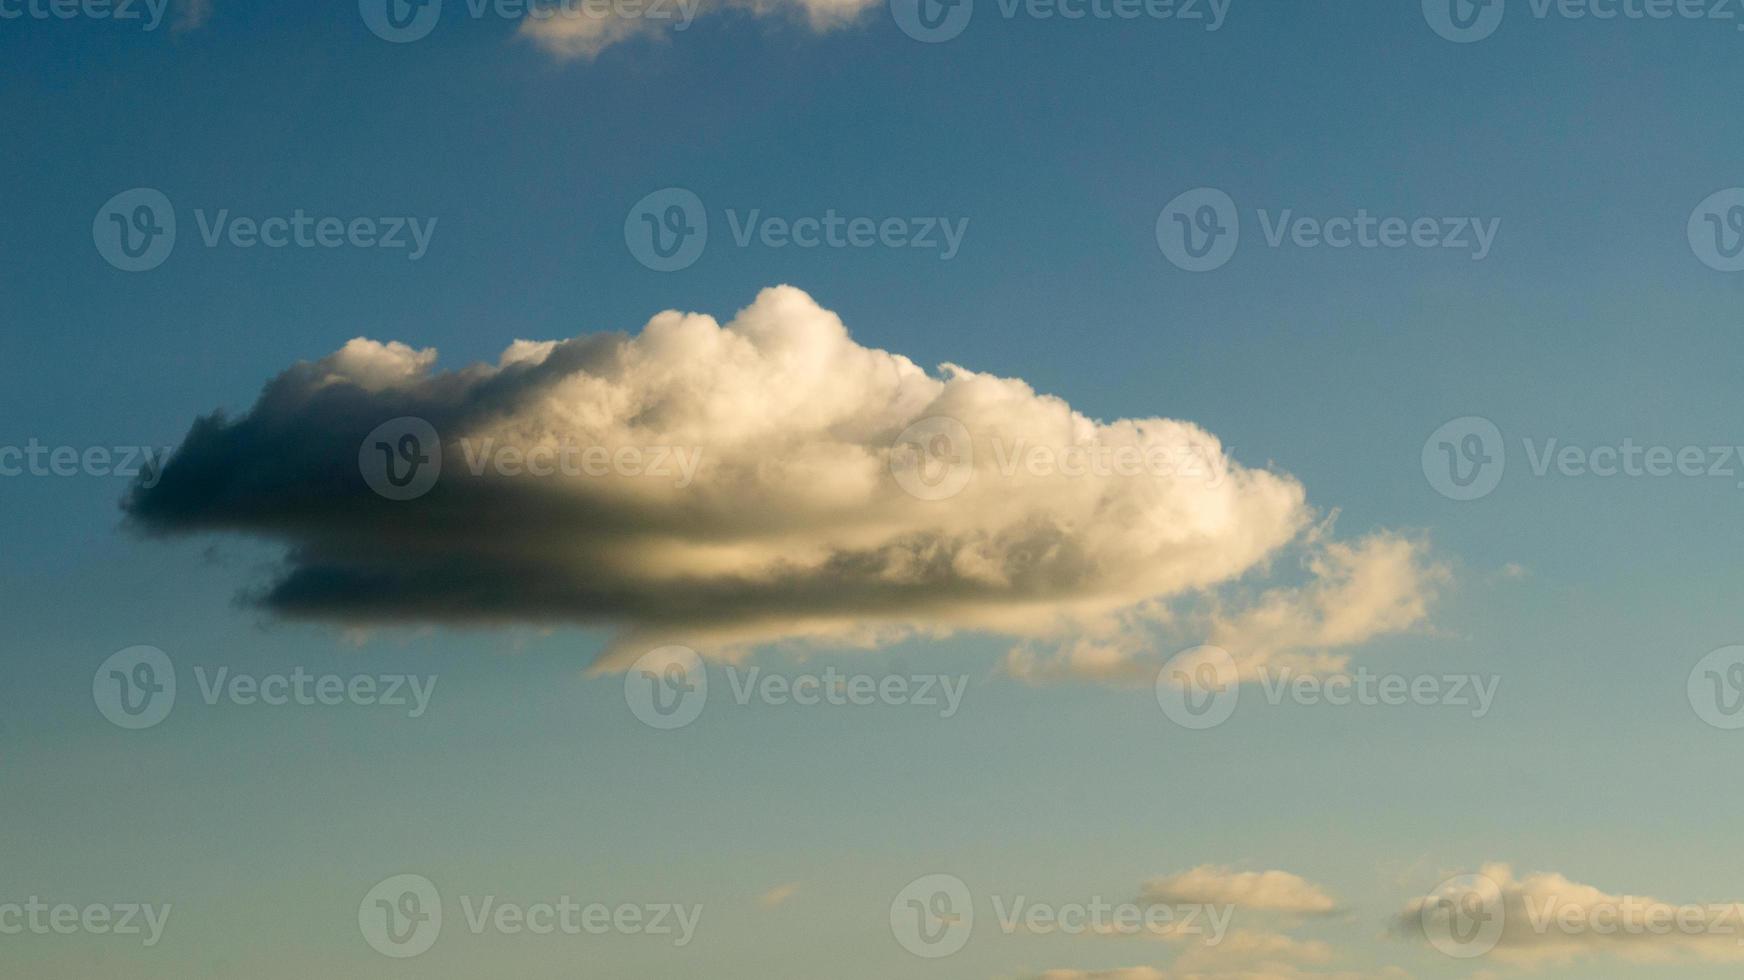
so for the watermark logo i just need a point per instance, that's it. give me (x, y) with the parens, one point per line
(148, 13)
(933, 459)
(1199, 230)
(400, 21)
(1464, 459)
(401, 916)
(667, 230)
(1716, 688)
(1464, 21)
(933, 916)
(1630, 916)
(569, 458)
(1363, 230)
(1365, 688)
(837, 689)
(135, 230)
(1101, 917)
(1716, 230)
(667, 687)
(932, 21)
(299, 687)
(300, 229)
(401, 459)
(1464, 916)
(135, 688)
(40, 918)
(1093, 459)
(403, 21)
(1199, 688)
(142, 463)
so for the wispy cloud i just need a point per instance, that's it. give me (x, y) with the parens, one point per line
(1257, 891)
(779, 894)
(191, 14)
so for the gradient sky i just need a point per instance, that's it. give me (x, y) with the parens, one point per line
(1590, 322)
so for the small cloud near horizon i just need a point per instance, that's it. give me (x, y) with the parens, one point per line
(779, 894)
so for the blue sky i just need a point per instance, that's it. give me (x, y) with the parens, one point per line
(1590, 321)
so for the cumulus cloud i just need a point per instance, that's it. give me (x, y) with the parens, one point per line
(769, 479)
(1254, 891)
(581, 29)
(1543, 918)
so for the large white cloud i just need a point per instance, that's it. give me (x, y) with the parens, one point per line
(840, 494)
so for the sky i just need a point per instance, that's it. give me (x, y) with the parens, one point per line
(1260, 471)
